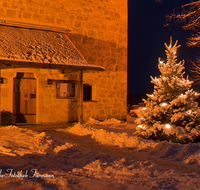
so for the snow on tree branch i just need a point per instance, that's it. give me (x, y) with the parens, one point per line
(194, 40)
(170, 112)
(195, 70)
(190, 17)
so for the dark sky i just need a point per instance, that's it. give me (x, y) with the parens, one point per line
(146, 38)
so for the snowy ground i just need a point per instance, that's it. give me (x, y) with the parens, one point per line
(103, 155)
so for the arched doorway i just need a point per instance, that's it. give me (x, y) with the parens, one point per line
(24, 98)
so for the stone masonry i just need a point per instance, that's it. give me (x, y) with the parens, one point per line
(98, 29)
(99, 19)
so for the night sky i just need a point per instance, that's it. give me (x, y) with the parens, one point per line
(146, 38)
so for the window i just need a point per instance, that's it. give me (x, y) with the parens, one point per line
(65, 89)
(87, 92)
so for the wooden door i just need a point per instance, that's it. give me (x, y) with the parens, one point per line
(24, 107)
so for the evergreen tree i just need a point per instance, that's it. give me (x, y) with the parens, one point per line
(171, 109)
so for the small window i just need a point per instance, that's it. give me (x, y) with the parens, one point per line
(65, 90)
(87, 92)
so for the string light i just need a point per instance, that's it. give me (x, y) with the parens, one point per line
(163, 104)
(182, 96)
(167, 126)
(141, 126)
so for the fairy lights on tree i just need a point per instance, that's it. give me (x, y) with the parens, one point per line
(171, 107)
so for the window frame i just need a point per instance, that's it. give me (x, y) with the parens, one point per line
(67, 81)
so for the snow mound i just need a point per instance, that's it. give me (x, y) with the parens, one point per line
(193, 159)
(144, 174)
(17, 141)
(74, 166)
(60, 181)
(111, 138)
(126, 167)
(111, 121)
(63, 147)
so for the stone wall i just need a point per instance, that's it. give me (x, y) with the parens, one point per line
(109, 95)
(99, 19)
(49, 109)
(111, 56)
(110, 85)
(98, 29)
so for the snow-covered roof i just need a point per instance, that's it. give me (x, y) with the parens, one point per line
(38, 46)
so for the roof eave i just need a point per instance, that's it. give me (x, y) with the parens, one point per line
(29, 64)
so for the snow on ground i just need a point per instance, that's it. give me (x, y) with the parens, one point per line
(188, 153)
(15, 141)
(111, 138)
(94, 156)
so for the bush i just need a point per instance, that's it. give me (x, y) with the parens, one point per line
(6, 117)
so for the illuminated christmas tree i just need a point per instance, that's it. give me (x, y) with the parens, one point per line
(170, 112)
